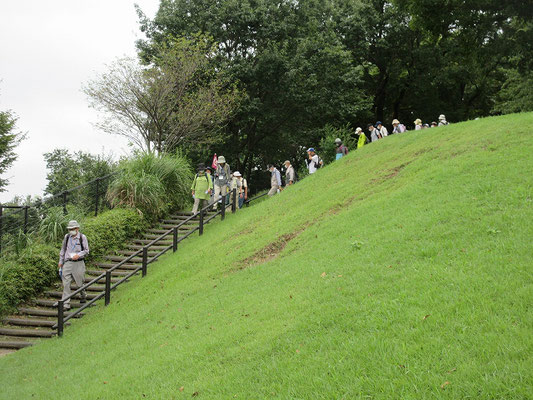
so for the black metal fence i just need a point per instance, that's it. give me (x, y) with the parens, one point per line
(88, 197)
(143, 253)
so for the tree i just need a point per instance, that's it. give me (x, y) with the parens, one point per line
(9, 140)
(177, 98)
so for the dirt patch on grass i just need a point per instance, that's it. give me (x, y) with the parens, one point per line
(391, 173)
(271, 250)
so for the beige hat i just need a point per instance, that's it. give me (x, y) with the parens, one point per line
(442, 117)
(237, 173)
(73, 225)
(418, 121)
(358, 130)
(286, 162)
(221, 159)
(395, 122)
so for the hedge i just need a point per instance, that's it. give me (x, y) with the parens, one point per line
(36, 267)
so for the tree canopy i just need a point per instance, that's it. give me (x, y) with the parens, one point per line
(9, 140)
(305, 67)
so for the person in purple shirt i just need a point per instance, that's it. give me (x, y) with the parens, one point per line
(71, 265)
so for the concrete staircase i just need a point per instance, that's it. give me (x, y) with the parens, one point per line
(34, 320)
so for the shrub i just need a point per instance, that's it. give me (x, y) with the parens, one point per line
(152, 184)
(327, 143)
(111, 229)
(24, 276)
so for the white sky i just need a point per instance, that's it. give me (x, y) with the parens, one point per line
(48, 50)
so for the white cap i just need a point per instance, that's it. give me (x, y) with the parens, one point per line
(237, 173)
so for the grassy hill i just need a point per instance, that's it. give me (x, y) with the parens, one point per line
(403, 271)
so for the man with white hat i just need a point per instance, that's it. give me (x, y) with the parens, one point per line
(71, 265)
(222, 179)
(442, 120)
(239, 183)
(290, 174)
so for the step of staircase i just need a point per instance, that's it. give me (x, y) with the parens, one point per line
(57, 295)
(50, 303)
(48, 323)
(36, 332)
(147, 241)
(116, 272)
(124, 267)
(152, 252)
(119, 258)
(13, 343)
(90, 278)
(42, 312)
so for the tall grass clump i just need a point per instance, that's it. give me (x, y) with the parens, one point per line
(152, 184)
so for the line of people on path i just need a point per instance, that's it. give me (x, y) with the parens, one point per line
(313, 162)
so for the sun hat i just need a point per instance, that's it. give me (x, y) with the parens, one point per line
(418, 121)
(358, 130)
(442, 117)
(395, 122)
(201, 167)
(237, 173)
(310, 149)
(338, 140)
(221, 159)
(73, 224)
(286, 162)
(433, 123)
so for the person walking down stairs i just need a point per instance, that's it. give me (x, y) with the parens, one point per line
(71, 261)
(222, 180)
(275, 180)
(202, 186)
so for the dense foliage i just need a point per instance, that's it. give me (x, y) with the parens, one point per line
(152, 184)
(304, 65)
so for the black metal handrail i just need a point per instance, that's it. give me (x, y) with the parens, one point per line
(174, 231)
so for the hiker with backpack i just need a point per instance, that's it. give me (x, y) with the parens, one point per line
(374, 133)
(239, 183)
(340, 149)
(222, 179)
(397, 127)
(383, 132)
(313, 161)
(275, 180)
(71, 262)
(201, 188)
(290, 174)
(442, 120)
(418, 124)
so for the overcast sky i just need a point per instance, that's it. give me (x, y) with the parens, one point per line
(48, 50)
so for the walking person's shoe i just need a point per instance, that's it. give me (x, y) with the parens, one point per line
(65, 306)
(83, 299)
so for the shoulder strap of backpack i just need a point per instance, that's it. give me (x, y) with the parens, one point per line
(81, 241)
(64, 247)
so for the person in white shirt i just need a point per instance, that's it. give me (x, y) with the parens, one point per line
(381, 129)
(313, 162)
(418, 124)
(442, 120)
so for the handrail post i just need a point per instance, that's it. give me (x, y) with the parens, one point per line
(145, 260)
(201, 225)
(234, 202)
(25, 219)
(107, 287)
(97, 197)
(174, 239)
(60, 318)
(223, 215)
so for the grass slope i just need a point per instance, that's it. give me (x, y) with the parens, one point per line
(400, 271)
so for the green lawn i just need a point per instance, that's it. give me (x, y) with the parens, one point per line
(403, 271)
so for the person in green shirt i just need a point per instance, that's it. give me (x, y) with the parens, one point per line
(202, 186)
(362, 138)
